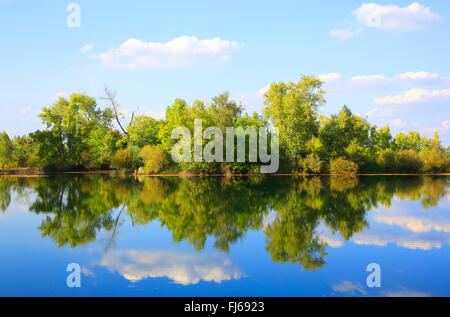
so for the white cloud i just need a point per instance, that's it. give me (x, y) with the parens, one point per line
(444, 126)
(398, 123)
(345, 34)
(181, 268)
(413, 95)
(87, 272)
(349, 287)
(156, 114)
(330, 77)
(87, 47)
(394, 18)
(179, 52)
(408, 77)
(417, 75)
(382, 238)
(366, 78)
(263, 90)
(415, 224)
(380, 112)
(405, 293)
(25, 110)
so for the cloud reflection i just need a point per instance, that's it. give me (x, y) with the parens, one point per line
(181, 268)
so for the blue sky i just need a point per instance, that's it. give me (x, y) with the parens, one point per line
(387, 60)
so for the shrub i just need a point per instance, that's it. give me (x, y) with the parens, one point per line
(433, 160)
(386, 159)
(312, 163)
(154, 158)
(343, 166)
(407, 161)
(122, 159)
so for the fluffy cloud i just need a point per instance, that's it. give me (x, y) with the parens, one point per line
(25, 110)
(87, 48)
(365, 78)
(397, 123)
(405, 293)
(263, 90)
(345, 34)
(445, 126)
(330, 77)
(415, 223)
(181, 268)
(179, 52)
(156, 114)
(399, 78)
(380, 112)
(417, 76)
(394, 18)
(389, 18)
(412, 95)
(383, 237)
(349, 287)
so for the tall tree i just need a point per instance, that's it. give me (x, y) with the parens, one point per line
(69, 124)
(5, 149)
(292, 107)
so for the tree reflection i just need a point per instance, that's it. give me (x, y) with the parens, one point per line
(77, 208)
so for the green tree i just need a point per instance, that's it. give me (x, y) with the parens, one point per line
(24, 151)
(411, 141)
(144, 131)
(342, 132)
(292, 107)
(223, 111)
(69, 124)
(6, 149)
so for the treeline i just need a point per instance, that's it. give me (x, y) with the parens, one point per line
(81, 135)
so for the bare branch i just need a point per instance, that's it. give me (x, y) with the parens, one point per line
(111, 97)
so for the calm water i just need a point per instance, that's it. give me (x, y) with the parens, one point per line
(272, 236)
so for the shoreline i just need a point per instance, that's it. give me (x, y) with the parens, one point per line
(34, 173)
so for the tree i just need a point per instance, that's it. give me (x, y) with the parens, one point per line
(154, 158)
(69, 124)
(144, 131)
(5, 149)
(102, 143)
(110, 96)
(24, 151)
(341, 131)
(292, 107)
(408, 161)
(224, 112)
(411, 141)
(381, 138)
(433, 160)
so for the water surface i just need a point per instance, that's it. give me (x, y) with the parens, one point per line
(214, 236)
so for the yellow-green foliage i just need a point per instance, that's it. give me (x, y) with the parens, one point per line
(312, 164)
(121, 159)
(408, 161)
(343, 166)
(433, 160)
(154, 158)
(386, 159)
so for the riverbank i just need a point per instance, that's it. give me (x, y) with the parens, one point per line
(35, 173)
